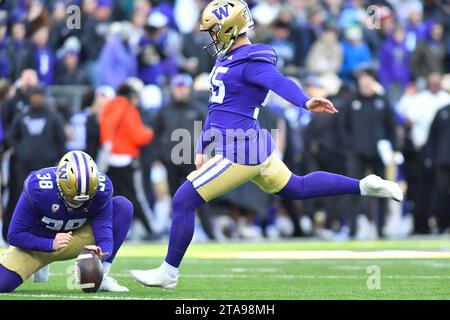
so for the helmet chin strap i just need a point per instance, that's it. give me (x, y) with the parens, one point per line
(69, 203)
(224, 51)
(73, 205)
(233, 39)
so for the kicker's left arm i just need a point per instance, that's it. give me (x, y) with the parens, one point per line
(266, 75)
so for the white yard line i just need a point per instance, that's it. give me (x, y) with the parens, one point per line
(305, 276)
(286, 276)
(244, 273)
(262, 270)
(84, 297)
(327, 254)
(250, 274)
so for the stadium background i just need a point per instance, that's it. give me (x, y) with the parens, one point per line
(397, 52)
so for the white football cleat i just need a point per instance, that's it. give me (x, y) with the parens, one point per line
(42, 274)
(110, 284)
(155, 278)
(374, 186)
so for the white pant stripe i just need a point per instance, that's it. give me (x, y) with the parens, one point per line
(211, 173)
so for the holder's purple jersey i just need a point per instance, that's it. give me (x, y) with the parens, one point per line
(41, 213)
(241, 83)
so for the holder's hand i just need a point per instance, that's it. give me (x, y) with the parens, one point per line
(97, 250)
(61, 240)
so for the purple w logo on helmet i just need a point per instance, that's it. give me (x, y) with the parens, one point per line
(221, 12)
(63, 172)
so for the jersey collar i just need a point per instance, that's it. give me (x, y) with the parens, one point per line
(234, 51)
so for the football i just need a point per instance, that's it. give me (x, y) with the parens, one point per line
(89, 271)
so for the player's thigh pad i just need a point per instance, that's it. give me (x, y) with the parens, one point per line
(274, 175)
(26, 262)
(219, 175)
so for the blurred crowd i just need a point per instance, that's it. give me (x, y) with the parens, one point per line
(139, 73)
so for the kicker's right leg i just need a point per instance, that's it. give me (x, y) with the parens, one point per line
(278, 179)
(322, 184)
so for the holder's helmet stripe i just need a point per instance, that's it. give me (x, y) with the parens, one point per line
(75, 155)
(87, 173)
(83, 173)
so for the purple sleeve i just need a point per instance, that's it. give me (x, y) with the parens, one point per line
(205, 138)
(102, 224)
(267, 76)
(19, 234)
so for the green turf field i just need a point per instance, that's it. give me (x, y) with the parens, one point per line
(409, 269)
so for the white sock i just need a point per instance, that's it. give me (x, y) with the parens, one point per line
(106, 267)
(171, 270)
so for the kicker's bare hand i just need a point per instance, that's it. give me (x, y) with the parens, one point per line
(321, 105)
(62, 240)
(200, 159)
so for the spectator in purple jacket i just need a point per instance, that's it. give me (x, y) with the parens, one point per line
(40, 57)
(156, 60)
(394, 64)
(117, 60)
(415, 28)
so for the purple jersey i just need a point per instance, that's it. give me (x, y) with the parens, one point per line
(41, 213)
(240, 84)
